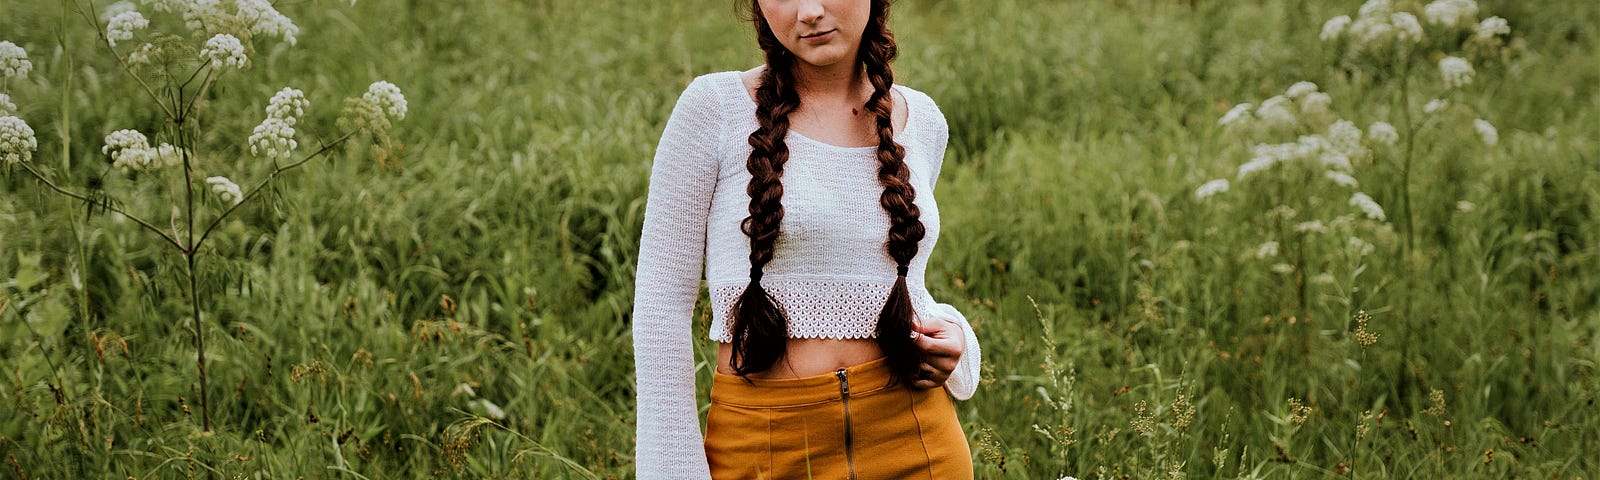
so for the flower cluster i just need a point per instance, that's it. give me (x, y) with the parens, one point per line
(17, 143)
(1377, 26)
(1457, 72)
(131, 151)
(224, 50)
(6, 107)
(122, 25)
(226, 189)
(13, 61)
(1451, 13)
(274, 137)
(387, 97)
(1383, 132)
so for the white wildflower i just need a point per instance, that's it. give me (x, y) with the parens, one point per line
(1335, 160)
(1235, 114)
(1208, 189)
(1367, 206)
(112, 10)
(1436, 105)
(1317, 104)
(1300, 89)
(1255, 165)
(129, 149)
(265, 20)
(1275, 112)
(142, 55)
(1489, 27)
(1375, 7)
(1268, 249)
(226, 189)
(6, 107)
(1486, 132)
(1360, 247)
(1451, 13)
(1335, 27)
(166, 155)
(288, 104)
(1457, 71)
(1465, 206)
(273, 138)
(122, 25)
(17, 142)
(1383, 132)
(1370, 33)
(1341, 178)
(223, 49)
(1406, 26)
(388, 97)
(1283, 268)
(1346, 137)
(1314, 226)
(13, 61)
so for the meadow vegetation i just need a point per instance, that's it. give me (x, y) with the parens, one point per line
(455, 303)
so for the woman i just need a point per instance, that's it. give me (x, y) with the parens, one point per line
(813, 174)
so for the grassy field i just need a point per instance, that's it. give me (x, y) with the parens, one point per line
(1131, 329)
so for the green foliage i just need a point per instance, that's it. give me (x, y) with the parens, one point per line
(490, 244)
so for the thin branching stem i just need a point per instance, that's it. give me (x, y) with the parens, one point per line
(89, 17)
(263, 184)
(107, 205)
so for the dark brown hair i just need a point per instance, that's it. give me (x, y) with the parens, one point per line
(760, 326)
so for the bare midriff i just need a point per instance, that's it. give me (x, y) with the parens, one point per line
(807, 357)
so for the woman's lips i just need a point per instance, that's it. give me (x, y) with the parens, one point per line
(819, 37)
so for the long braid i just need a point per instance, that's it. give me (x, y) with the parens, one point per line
(905, 224)
(760, 327)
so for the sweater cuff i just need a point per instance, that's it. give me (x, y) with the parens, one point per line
(963, 381)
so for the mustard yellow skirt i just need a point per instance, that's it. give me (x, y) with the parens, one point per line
(849, 424)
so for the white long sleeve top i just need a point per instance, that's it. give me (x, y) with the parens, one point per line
(830, 271)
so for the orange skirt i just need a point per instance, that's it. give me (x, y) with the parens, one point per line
(850, 424)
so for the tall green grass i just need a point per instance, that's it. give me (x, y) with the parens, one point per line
(497, 252)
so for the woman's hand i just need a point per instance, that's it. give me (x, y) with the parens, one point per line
(941, 342)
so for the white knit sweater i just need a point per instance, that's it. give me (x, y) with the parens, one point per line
(830, 271)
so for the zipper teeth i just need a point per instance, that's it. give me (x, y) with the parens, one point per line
(844, 397)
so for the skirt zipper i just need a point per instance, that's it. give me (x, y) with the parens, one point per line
(844, 397)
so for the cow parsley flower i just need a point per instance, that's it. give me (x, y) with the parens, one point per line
(1360, 247)
(1316, 104)
(1370, 33)
(142, 55)
(1457, 71)
(1451, 13)
(1314, 226)
(1383, 132)
(1346, 138)
(1367, 206)
(1341, 178)
(1335, 27)
(6, 107)
(1211, 188)
(226, 189)
(1275, 112)
(1436, 105)
(17, 142)
(1255, 165)
(131, 151)
(265, 20)
(1300, 89)
(387, 97)
(223, 49)
(13, 61)
(288, 104)
(114, 9)
(124, 140)
(1486, 132)
(1406, 26)
(273, 138)
(1268, 249)
(1235, 114)
(1375, 7)
(1489, 27)
(122, 25)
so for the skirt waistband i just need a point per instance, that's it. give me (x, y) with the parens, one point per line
(863, 379)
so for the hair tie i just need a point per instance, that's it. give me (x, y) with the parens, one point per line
(903, 270)
(755, 274)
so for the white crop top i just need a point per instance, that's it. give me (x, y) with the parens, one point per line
(830, 272)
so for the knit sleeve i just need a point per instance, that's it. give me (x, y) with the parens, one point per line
(671, 258)
(963, 381)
